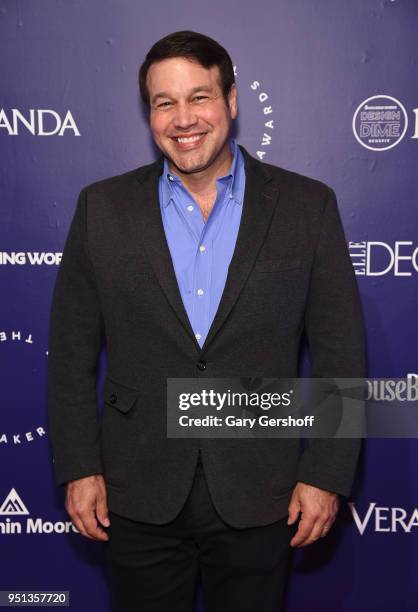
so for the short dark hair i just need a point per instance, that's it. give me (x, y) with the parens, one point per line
(194, 46)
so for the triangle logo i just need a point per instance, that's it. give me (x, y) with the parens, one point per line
(13, 505)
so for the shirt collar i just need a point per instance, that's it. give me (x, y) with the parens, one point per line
(168, 179)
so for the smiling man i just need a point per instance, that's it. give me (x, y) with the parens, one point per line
(191, 123)
(206, 263)
(191, 113)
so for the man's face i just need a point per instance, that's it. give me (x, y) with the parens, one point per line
(189, 118)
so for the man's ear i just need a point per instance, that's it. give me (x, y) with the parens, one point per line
(233, 101)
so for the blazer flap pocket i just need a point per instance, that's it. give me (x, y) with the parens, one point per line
(273, 265)
(119, 396)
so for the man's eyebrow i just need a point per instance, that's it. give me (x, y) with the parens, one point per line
(163, 94)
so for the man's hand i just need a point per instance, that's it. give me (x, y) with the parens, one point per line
(87, 506)
(318, 508)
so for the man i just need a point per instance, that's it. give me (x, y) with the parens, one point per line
(206, 263)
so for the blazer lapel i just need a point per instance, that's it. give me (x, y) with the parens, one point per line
(260, 200)
(152, 231)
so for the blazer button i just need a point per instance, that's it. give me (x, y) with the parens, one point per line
(113, 398)
(201, 365)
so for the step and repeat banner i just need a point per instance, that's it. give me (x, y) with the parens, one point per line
(327, 89)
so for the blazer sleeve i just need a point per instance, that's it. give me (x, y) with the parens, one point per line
(75, 334)
(334, 328)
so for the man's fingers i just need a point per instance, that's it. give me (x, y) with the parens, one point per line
(90, 526)
(87, 506)
(311, 530)
(102, 512)
(328, 524)
(84, 519)
(294, 511)
(319, 509)
(304, 529)
(78, 524)
(293, 516)
(315, 534)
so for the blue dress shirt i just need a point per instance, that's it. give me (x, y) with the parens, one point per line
(201, 252)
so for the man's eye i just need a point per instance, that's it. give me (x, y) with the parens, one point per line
(166, 104)
(199, 98)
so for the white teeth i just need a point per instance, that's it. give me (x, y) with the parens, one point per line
(190, 138)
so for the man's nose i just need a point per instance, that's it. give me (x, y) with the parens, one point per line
(185, 116)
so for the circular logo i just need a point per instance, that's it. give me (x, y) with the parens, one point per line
(24, 413)
(380, 123)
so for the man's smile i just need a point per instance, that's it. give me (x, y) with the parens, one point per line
(188, 142)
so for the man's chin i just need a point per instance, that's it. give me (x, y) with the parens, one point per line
(188, 168)
(192, 170)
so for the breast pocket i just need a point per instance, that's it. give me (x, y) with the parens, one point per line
(119, 432)
(271, 287)
(276, 265)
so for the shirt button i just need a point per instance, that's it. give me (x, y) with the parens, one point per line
(170, 178)
(202, 248)
(190, 208)
(200, 292)
(198, 336)
(201, 365)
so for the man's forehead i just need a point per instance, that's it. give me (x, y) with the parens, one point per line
(181, 73)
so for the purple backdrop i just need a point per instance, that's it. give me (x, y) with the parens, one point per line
(69, 115)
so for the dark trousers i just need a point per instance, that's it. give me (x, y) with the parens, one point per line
(155, 568)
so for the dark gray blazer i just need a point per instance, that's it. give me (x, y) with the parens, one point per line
(290, 274)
